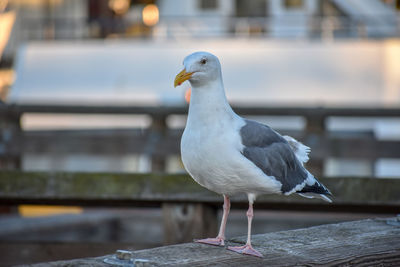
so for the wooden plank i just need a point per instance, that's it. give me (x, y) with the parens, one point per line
(111, 142)
(152, 190)
(17, 253)
(167, 110)
(136, 141)
(359, 243)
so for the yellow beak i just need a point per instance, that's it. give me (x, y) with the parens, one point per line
(181, 77)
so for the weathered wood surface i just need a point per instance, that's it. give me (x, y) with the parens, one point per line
(359, 243)
(152, 190)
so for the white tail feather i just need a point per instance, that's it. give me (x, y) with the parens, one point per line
(312, 195)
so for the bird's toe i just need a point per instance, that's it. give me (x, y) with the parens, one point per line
(247, 250)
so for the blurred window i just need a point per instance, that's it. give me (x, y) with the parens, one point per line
(293, 4)
(254, 8)
(208, 4)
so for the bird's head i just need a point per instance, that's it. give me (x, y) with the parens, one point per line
(200, 69)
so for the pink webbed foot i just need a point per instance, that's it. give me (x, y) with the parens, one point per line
(212, 241)
(246, 249)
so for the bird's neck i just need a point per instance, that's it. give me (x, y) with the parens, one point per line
(209, 104)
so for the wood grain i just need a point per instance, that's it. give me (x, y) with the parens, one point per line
(154, 189)
(371, 242)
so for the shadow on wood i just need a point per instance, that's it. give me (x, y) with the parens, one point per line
(185, 222)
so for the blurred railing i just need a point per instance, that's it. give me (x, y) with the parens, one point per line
(159, 141)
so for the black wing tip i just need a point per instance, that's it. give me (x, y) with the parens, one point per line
(316, 188)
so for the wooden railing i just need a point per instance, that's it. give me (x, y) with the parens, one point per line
(359, 243)
(158, 140)
(181, 199)
(175, 193)
(184, 202)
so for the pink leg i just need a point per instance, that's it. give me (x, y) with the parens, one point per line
(248, 249)
(220, 239)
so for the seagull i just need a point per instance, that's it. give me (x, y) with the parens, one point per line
(231, 155)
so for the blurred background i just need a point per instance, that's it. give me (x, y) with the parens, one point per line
(87, 86)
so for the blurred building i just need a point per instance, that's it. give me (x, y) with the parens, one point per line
(173, 19)
(88, 19)
(279, 18)
(47, 32)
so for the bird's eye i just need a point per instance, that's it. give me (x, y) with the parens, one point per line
(203, 61)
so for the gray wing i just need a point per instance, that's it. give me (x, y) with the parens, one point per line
(269, 151)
